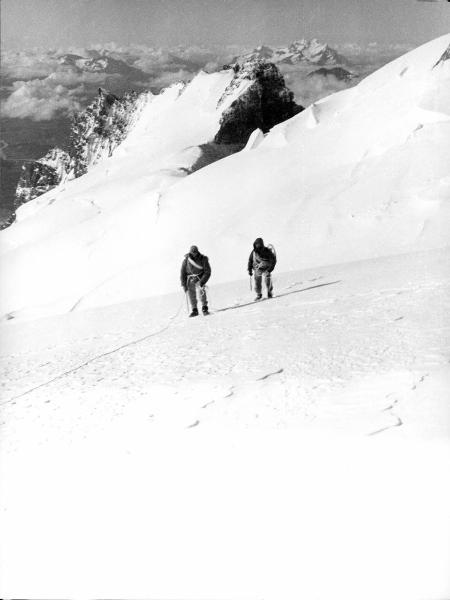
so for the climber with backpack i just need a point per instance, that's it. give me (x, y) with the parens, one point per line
(261, 262)
(195, 272)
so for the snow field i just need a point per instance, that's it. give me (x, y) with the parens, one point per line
(373, 334)
(243, 515)
(253, 453)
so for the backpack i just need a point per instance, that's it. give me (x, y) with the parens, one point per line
(272, 249)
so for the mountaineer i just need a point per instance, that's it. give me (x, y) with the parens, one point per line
(195, 272)
(261, 262)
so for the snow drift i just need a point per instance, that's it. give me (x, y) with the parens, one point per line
(362, 173)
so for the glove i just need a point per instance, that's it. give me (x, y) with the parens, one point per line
(250, 272)
(184, 288)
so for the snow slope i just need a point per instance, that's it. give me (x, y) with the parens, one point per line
(293, 448)
(360, 174)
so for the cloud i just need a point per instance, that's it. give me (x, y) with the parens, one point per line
(213, 65)
(310, 89)
(24, 66)
(42, 100)
(168, 78)
(45, 86)
(364, 60)
(71, 78)
(28, 65)
(369, 57)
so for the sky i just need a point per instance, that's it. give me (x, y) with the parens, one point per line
(65, 23)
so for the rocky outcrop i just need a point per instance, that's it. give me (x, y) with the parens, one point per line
(256, 98)
(338, 72)
(42, 175)
(445, 56)
(95, 133)
(98, 130)
(6, 218)
(264, 103)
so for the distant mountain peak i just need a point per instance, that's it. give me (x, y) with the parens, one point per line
(297, 52)
(98, 63)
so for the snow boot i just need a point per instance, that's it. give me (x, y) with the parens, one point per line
(194, 312)
(258, 297)
(205, 310)
(269, 294)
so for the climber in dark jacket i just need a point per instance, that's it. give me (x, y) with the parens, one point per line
(262, 262)
(195, 272)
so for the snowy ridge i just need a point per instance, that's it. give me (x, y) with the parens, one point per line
(95, 133)
(359, 174)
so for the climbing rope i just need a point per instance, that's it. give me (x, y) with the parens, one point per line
(98, 357)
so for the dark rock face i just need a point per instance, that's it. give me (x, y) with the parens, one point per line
(338, 72)
(42, 175)
(6, 218)
(95, 133)
(265, 103)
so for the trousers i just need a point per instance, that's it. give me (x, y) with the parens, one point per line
(258, 281)
(192, 287)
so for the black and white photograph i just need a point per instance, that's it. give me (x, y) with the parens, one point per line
(225, 300)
